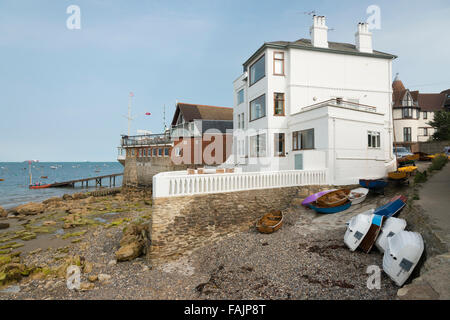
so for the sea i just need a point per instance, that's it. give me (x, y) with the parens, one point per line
(14, 187)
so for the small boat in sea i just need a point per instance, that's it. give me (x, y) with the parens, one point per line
(358, 195)
(402, 255)
(314, 197)
(333, 199)
(2, 179)
(39, 186)
(53, 167)
(392, 207)
(391, 227)
(44, 177)
(330, 210)
(357, 228)
(270, 222)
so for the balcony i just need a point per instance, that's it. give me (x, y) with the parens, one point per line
(341, 104)
(145, 140)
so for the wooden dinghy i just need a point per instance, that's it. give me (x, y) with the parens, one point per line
(270, 222)
(336, 209)
(333, 199)
(312, 198)
(372, 235)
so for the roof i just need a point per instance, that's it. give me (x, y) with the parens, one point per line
(203, 112)
(333, 47)
(431, 101)
(398, 92)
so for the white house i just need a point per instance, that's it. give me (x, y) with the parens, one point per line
(412, 112)
(315, 104)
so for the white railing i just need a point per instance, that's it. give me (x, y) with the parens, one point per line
(167, 184)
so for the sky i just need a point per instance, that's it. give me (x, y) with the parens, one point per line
(64, 92)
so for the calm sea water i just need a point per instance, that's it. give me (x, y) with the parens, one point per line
(14, 189)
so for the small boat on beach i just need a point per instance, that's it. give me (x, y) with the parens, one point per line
(402, 255)
(358, 195)
(373, 183)
(333, 199)
(270, 222)
(391, 227)
(372, 234)
(314, 197)
(330, 210)
(357, 228)
(392, 207)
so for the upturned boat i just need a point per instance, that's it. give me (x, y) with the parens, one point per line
(357, 228)
(372, 234)
(315, 196)
(270, 222)
(373, 183)
(390, 227)
(392, 207)
(333, 199)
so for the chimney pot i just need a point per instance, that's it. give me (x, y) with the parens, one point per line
(319, 32)
(363, 38)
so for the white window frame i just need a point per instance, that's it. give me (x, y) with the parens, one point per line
(375, 140)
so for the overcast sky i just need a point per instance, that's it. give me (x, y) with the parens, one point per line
(63, 93)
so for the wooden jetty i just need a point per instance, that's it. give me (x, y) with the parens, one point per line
(85, 182)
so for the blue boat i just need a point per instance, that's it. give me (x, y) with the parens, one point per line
(331, 209)
(392, 207)
(373, 184)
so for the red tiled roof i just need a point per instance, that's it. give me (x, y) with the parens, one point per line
(431, 101)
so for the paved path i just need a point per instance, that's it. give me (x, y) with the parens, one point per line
(435, 200)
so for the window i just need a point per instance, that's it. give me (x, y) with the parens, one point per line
(407, 134)
(166, 152)
(425, 115)
(240, 96)
(407, 112)
(155, 152)
(178, 151)
(258, 145)
(145, 153)
(149, 153)
(373, 139)
(407, 101)
(242, 121)
(278, 63)
(258, 108)
(132, 152)
(425, 131)
(302, 140)
(279, 144)
(258, 70)
(239, 121)
(278, 102)
(159, 152)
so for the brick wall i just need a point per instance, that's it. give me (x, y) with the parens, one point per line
(182, 224)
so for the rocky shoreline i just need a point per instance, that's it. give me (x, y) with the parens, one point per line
(107, 237)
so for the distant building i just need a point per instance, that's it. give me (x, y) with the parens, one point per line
(412, 112)
(199, 135)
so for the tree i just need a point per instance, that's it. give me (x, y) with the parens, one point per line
(441, 125)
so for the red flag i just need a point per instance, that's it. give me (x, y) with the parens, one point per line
(147, 113)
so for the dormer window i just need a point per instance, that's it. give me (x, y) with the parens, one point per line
(408, 101)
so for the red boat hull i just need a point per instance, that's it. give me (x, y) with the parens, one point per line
(40, 187)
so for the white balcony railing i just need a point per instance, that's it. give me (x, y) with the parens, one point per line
(173, 184)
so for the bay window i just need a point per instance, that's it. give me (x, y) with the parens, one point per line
(258, 70)
(258, 108)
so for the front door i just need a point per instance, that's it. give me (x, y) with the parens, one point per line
(298, 161)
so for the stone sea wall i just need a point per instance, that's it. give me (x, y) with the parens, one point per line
(181, 224)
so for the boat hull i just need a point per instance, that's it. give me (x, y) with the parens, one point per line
(315, 196)
(392, 207)
(354, 198)
(333, 199)
(40, 187)
(270, 222)
(330, 210)
(373, 184)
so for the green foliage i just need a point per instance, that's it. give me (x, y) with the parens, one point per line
(441, 124)
(438, 162)
(420, 177)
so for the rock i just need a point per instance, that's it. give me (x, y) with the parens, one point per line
(86, 286)
(3, 213)
(88, 267)
(145, 268)
(30, 208)
(112, 262)
(49, 223)
(93, 278)
(4, 226)
(67, 197)
(79, 195)
(104, 277)
(49, 284)
(52, 200)
(129, 252)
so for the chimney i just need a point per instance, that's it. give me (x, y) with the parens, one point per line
(319, 32)
(363, 38)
